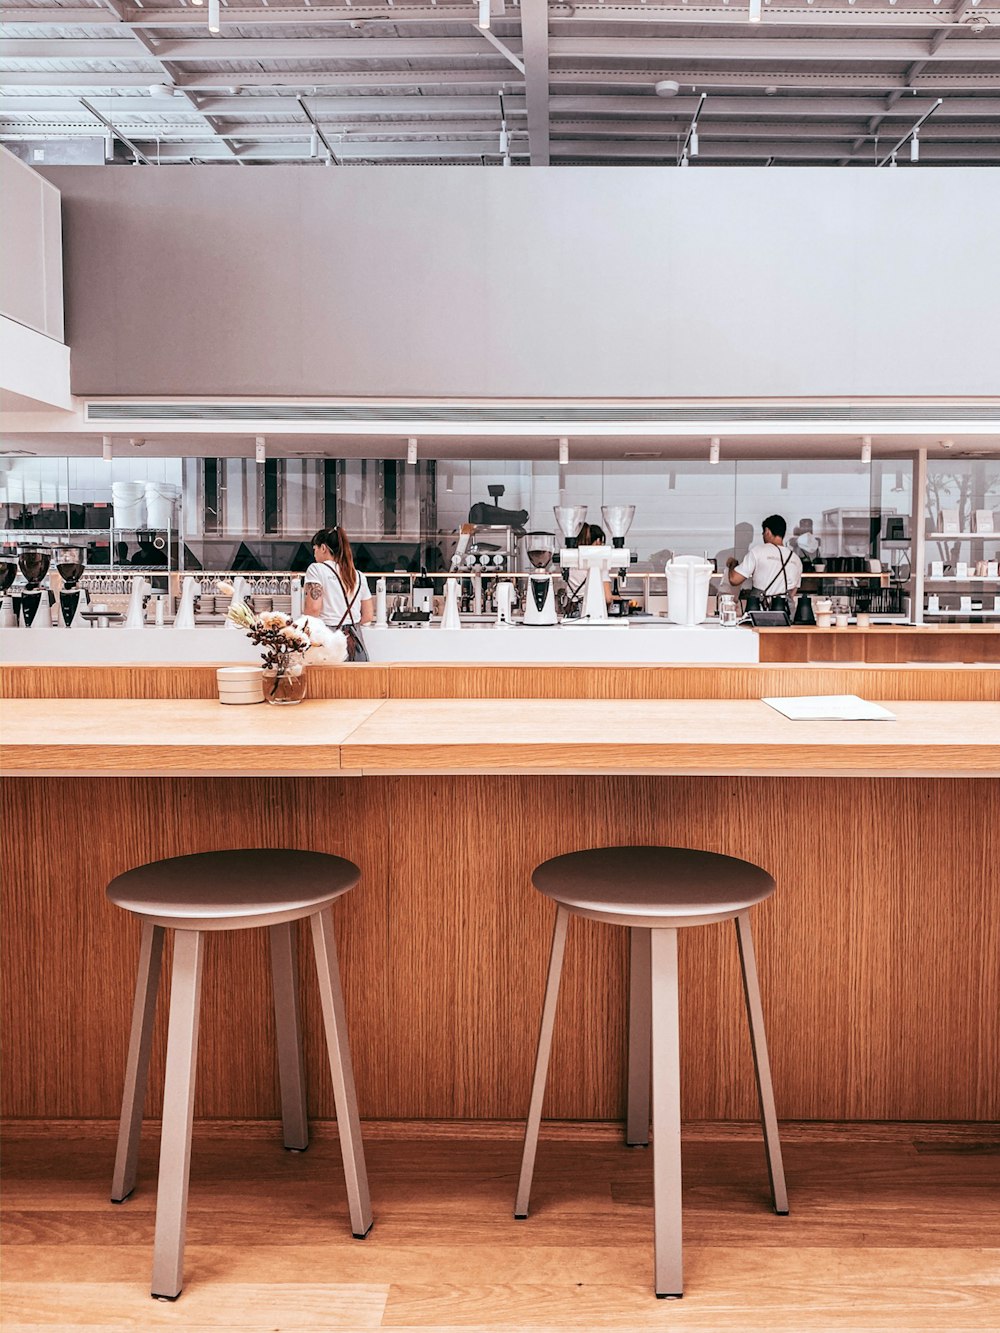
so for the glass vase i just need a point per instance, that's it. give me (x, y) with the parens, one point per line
(286, 682)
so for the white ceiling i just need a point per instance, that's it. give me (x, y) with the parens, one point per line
(832, 82)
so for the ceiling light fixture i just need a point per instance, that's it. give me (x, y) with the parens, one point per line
(754, 13)
(915, 147)
(411, 451)
(910, 134)
(199, 3)
(714, 450)
(260, 449)
(214, 16)
(947, 444)
(483, 21)
(666, 88)
(866, 449)
(563, 452)
(106, 448)
(690, 145)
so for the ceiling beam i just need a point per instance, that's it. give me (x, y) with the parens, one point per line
(705, 15)
(715, 49)
(535, 45)
(649, 109)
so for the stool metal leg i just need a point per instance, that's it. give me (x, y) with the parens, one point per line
(291, 1068)
(639, 1047)
(541, 1062)
(344, 1094)
(140, 1041)
(178, 1110)
(761, 1063)
(668, 1257)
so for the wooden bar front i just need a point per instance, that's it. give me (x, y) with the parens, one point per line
(879, 954)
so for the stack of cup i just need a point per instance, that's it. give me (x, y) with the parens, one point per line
(240, 685)
(128, 498)
(162, 498)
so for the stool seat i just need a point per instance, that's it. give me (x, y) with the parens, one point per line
(653, 886)
(233, 889)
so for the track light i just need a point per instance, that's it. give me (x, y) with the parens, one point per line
(866, 449)
(214, 16)
(754, 15)
(106, 448)
(693, 144)
(260, 449)
(915, 147)
(484, 15)
(714, 449)
(411, 451)
(563, 452)
(684, 159)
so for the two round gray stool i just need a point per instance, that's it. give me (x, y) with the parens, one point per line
(656, 891)
(237, 890)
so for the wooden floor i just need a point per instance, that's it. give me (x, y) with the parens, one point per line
(892, 1227)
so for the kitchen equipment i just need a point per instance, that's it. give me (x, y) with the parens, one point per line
(451, 619)
(493, 515)
(184, 619)
(8, 616)
(804, 614)
(505, 603)
(8, 573)
(597, 561)
(34, 565)
(729, 611)
(162, 498)
(540, 600)
(73, 600)
(423, 593)
(381, 617)
(688, 581)
(134, 616)
(129, 501)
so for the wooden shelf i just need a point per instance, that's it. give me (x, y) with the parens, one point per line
(969, 578)
(963, 536)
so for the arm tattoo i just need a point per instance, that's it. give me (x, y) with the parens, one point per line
(314, 592)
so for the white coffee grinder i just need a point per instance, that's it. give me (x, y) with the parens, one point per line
(540, 602)
(596, 561)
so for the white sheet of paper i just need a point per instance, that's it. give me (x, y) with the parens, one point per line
(831, 707)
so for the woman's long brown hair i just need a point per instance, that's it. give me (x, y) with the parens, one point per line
(340, 548)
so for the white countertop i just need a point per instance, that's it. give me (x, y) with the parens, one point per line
(638, 641)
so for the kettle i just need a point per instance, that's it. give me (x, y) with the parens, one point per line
(504, 602)
(804, 611)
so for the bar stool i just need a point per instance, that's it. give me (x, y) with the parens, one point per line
(655, 891)
(233, 890)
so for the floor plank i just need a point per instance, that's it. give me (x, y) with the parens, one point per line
(892, 1227)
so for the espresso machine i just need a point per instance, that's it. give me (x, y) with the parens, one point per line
(596, 561)
(540, 601)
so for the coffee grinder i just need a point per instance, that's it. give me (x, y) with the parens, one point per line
(34, 565)
(540, 603)
(73, 600)
(597, 561)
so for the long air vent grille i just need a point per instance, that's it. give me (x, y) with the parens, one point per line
(456, 414)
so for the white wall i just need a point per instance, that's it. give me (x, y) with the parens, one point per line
(31, 291)
(561, 282)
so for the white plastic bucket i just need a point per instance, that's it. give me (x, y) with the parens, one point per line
(129, 500)
(688, 582)
(161, 504)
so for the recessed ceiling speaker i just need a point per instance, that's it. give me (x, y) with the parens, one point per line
(667, 88)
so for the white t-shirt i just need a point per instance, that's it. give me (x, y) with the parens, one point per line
(761, 567)
(334, 604)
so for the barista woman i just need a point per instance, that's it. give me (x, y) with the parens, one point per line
(336, 592)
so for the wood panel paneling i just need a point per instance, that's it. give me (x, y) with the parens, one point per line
(955, 643)
(171, 681)
(879, 955)
(498, 681)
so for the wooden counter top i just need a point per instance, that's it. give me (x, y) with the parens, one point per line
(174, 736)
(163, 737)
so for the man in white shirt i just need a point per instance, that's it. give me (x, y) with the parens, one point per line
(769, 568)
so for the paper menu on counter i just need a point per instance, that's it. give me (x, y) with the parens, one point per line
(830, 708)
